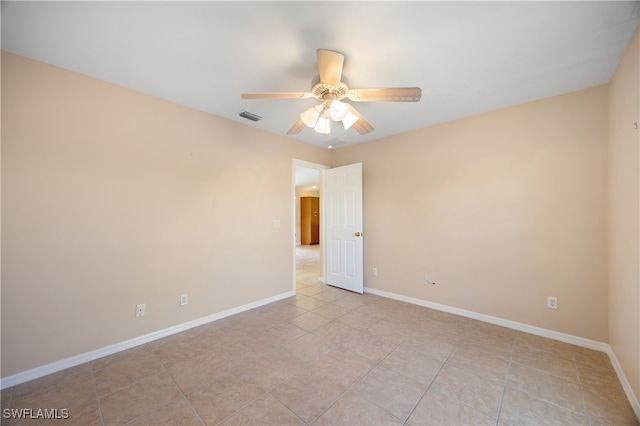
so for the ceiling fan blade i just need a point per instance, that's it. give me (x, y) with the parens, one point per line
(277, 95)
(394, 94)
(330, 66)
(362, 126)
(296, 128)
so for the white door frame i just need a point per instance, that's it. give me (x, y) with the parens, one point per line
(321, 167)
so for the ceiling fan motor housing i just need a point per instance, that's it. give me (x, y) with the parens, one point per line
(330, 92)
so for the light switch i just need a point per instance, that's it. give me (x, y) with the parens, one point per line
(276, 223)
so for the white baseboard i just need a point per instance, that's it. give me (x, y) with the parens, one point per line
(555, 335)
(635, 404)
(567, 338)
(54, 367)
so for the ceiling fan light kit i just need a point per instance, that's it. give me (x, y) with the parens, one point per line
(331, 91)
(318, 117)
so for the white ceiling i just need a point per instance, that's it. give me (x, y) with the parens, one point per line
(468, 57)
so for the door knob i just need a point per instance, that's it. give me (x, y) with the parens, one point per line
(358, 234)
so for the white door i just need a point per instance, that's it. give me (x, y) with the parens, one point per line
(343, 222)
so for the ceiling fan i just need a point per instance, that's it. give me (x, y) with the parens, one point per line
(331, 91)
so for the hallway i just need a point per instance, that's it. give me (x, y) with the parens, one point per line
(308, 271)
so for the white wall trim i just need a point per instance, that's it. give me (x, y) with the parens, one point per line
(635, 404)
(54, 367)
(555, 335)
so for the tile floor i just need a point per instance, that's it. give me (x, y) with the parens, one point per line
(328, 356)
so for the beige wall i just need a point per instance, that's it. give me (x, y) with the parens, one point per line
(624, 214)
(112, 198)
(501, 210)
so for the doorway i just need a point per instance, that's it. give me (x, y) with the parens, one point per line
(340, 248)
(307, 243)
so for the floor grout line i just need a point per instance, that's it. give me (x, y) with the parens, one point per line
(504, 386)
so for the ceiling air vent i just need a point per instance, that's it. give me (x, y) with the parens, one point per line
(250, 116)
(334, 143)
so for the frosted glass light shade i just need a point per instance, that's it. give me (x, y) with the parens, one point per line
(323, 126)
(310, 116)
(349, 119)
(338, 111)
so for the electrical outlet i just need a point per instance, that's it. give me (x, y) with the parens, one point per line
(552, 302)
(140, 310)
(375, 271)
(184, 299)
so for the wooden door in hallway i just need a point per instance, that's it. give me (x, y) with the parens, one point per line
(309, 220)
